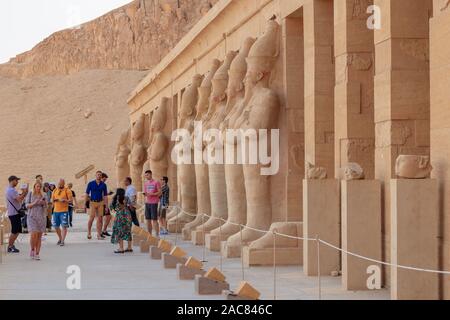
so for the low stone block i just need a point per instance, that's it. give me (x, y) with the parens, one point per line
(187, 273)
(264, 257)
(198, 238)
(321, 217)
(155, 253)
(361, 230)
(215, 274)
(230, 252)
(178, 252)
(145, 246)
(170, 261)
(174, 228)
(213, 242)
(207, 286)
(137, 241)
(245, 290)
(194, 263)
(415, 238)
(165, 245)
(186, 234)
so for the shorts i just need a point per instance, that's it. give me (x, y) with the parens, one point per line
(60, 219)
(96, 209)
(162, 212)
(151, 211)
(16, 224)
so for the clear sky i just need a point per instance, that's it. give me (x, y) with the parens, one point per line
(24, 23)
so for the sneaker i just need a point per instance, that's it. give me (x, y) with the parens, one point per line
(32, 254)
(36, 257)
(13, 249)
(58, 243)
(106, 234)
(61, 244)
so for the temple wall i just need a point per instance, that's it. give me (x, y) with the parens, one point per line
(348, 93)
(238, 20)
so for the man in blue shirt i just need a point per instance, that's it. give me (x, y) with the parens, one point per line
(97, 196)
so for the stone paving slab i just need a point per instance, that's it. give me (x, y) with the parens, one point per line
(107, 276)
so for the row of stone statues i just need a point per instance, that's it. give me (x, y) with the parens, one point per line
(235, 94)
(144, 146)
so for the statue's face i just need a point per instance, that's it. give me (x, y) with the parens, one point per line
(219, 92)
(252, 78)
(235, 87)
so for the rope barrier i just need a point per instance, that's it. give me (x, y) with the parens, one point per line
(382, 262)
(329, 245)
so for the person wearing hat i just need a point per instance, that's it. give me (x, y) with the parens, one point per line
(14, 202)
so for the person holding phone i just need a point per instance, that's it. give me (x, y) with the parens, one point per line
(61, 198)
(36, 203)
(14, 202)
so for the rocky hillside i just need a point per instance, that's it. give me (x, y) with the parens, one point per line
(59, 125)
(133, 37)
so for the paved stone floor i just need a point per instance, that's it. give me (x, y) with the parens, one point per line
(135, 276)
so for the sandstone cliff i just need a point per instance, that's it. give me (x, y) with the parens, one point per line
(134, 37)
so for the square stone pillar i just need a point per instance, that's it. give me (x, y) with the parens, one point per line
(440, 130)
(321, 215)
(414, 234)
(361, 230)
(319, 83)
(353, 104)
(402, 92)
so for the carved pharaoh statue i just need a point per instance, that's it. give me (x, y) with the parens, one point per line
(216, 114)
(234, 176)
(186, 172)
(158, 156)
(261, 112)
(201, 169)
(121, 158)
(138, 151)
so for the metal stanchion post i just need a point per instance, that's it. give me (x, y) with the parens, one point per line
(220, 241)
(204, 244)
(242, 254)
(318, 268)
(274, 266)
(176, 228)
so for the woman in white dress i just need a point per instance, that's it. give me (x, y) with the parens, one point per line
(36, 202)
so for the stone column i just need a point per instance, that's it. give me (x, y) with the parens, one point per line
(414, 230)
(440, 129)
(319, 84)
(402, 103)
(295, 119)
(353, 104)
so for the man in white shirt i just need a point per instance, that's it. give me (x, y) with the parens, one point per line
(131, 194)
(14, 203)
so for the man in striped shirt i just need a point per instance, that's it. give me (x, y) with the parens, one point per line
(163, 205)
